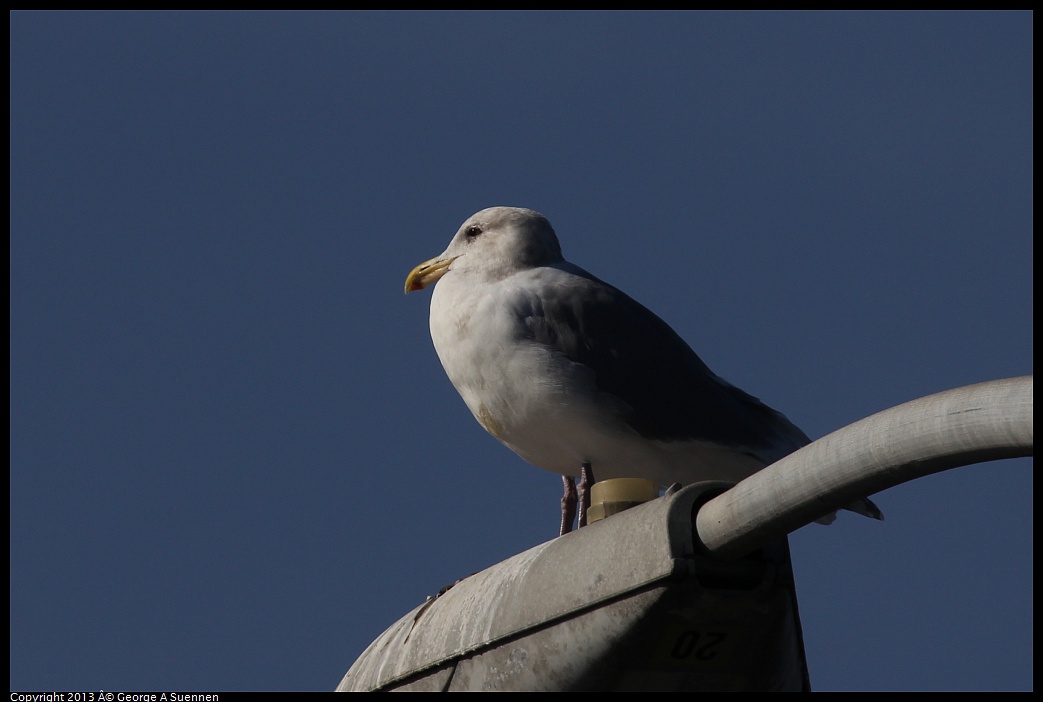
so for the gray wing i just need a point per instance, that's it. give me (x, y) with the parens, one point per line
(671, 395)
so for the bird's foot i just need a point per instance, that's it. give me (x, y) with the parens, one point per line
(568, 505)
(570, 500)
(586, 482)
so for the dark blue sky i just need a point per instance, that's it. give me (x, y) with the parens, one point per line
(235, 458)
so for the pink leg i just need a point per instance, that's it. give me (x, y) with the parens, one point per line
(568, 505)
(586, 481)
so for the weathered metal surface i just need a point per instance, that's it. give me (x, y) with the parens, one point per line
(626, 603)
(632, 603)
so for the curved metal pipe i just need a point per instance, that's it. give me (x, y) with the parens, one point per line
(972, 424)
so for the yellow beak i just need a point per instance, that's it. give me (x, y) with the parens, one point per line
(427, 273)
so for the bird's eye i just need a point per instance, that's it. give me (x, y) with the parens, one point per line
(473, 231)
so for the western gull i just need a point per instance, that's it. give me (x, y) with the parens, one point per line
(576, 377)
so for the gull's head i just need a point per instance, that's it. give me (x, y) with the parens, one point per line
(493, 244)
